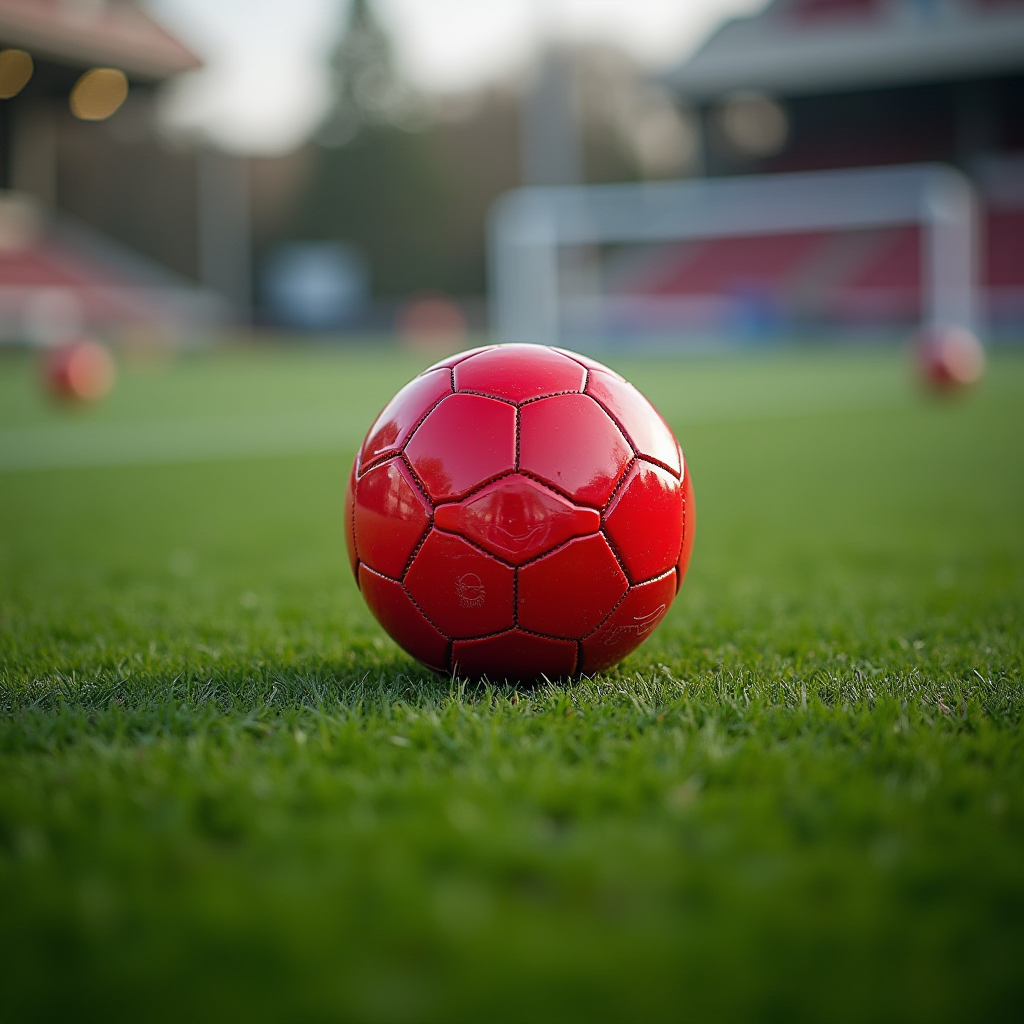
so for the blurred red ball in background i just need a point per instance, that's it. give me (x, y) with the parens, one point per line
(430, 319)
(81, 371)
(949, 359)
(518, 511)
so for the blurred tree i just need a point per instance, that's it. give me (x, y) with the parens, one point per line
(385, 193)
(374, 177)
(367, 88)
(410, 182)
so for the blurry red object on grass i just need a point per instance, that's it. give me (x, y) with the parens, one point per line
(431, 320)
(949, 359)
(80, 371)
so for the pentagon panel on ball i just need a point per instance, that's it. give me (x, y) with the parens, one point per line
(401, 415)
(395, 611)
(391, 515)
(632, 621)
(639, 420)
(519, 373)
(519, 512)
(642, 522)
(569, 592)
(463, 590)
(520, 655)
(464, 442)
(569, 443)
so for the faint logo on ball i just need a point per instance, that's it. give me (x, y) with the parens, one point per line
(640, 626)
(470, 590)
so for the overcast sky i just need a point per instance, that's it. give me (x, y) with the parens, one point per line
(263, 87)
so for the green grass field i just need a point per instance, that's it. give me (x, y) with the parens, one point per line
(225, 795)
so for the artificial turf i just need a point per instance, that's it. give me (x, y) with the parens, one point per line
(225, 795)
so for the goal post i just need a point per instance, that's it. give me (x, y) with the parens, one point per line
(531, 229)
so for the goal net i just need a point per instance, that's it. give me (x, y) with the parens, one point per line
(878, 250)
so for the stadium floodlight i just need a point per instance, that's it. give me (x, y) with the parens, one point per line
(530, 229)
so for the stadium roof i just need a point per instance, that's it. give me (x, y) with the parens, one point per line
(89, 32)
(818, 46)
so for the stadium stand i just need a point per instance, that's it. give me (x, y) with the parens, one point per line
(859, 83)
(88, 229)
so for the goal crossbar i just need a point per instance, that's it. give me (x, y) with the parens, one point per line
(528, 227)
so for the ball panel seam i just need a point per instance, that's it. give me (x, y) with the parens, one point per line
(631, 588)
(364, 468)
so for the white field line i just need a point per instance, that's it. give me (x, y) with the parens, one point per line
(123, 444)
(70, 446)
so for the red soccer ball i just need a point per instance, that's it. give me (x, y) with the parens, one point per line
(949, 359)
(518, 510)
(81, 371)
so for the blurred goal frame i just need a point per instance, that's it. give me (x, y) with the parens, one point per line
(528, 227)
